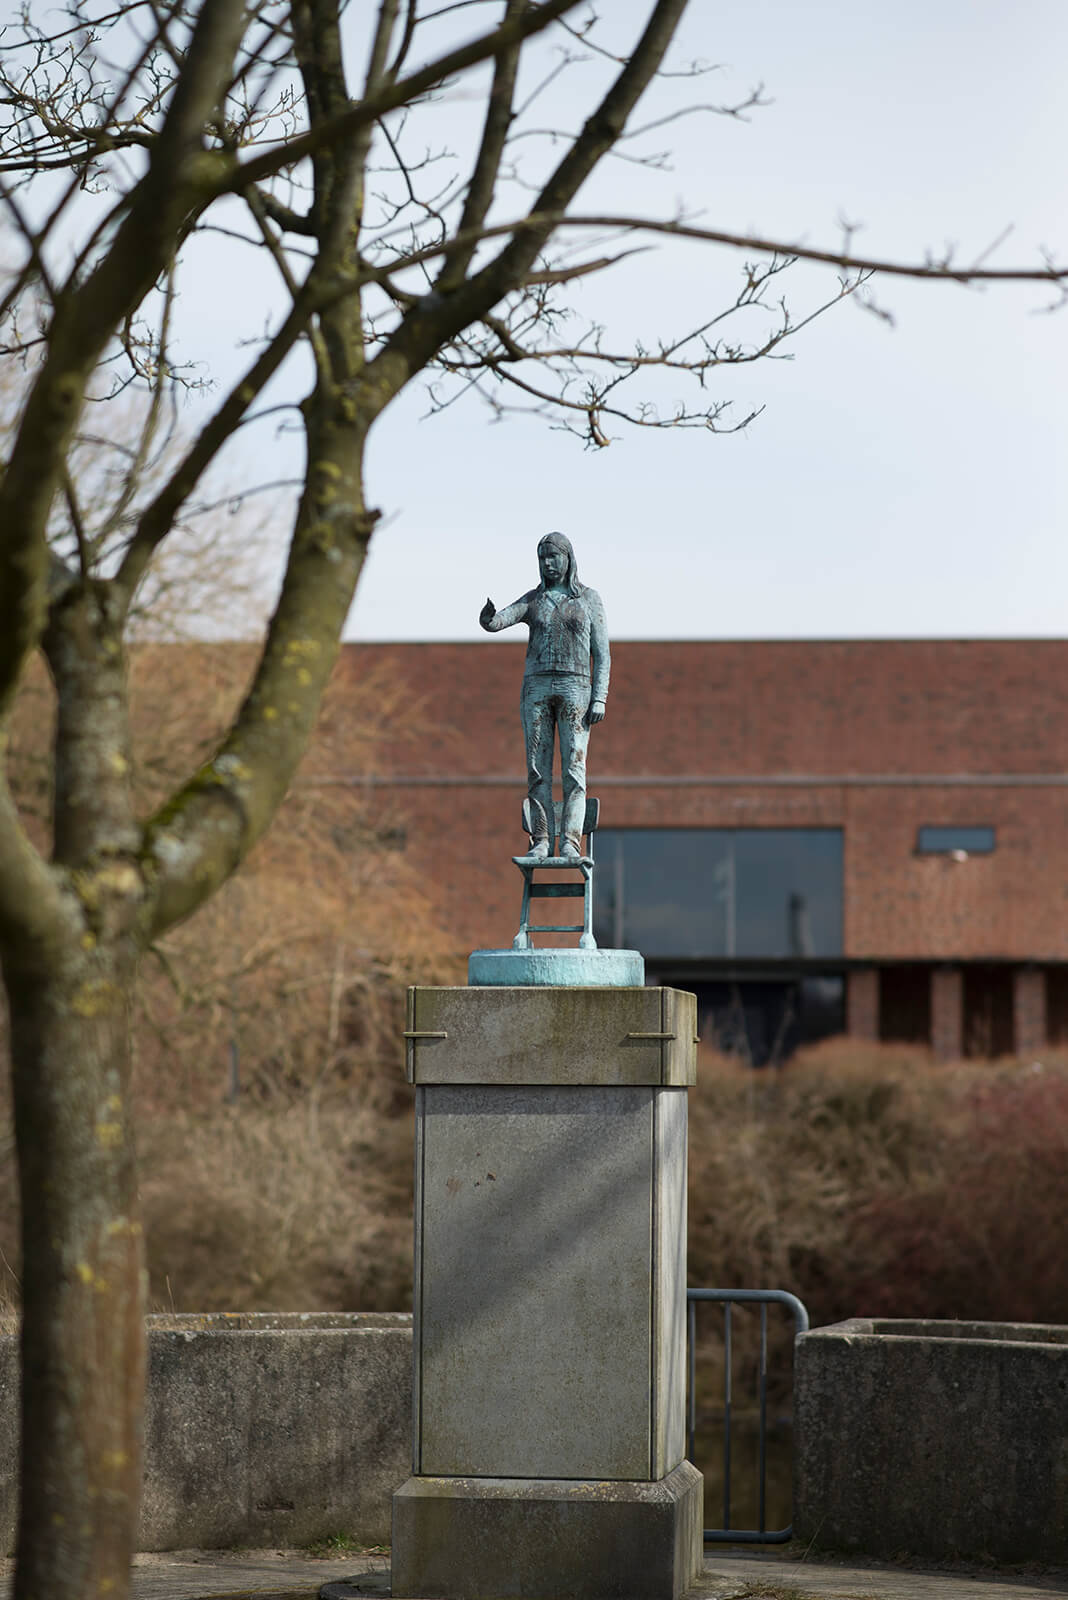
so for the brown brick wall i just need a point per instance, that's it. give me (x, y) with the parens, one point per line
(1010, 904)
(751, 710)
(803, 706)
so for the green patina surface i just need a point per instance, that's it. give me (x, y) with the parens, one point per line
(616, 969)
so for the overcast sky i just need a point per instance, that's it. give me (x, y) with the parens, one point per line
(905, 480)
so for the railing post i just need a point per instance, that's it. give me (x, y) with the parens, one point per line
(728, 1298)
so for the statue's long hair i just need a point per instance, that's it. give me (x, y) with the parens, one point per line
(560, 541)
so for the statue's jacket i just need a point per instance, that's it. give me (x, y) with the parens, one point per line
(568, 636)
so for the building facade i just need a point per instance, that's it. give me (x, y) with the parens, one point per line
(814, 836)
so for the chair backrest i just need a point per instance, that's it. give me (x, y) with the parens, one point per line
(589, 821)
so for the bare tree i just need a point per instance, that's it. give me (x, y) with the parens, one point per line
(132, 128)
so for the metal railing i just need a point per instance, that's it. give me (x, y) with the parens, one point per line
(729, 1298)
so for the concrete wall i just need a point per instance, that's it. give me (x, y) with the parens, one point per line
(260, 1429)
(935, 1439)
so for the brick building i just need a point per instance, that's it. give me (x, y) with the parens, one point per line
(814, 836)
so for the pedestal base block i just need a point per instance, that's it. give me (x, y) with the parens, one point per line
(543, 1538)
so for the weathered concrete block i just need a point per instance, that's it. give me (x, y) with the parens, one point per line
(259, 1428)
(550, 1206)
(9, 1433)
(543, 1540)
(550, 1292)
(558, 1036)
(936, 1439)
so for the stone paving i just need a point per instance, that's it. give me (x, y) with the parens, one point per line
(730, 1575)
(755, 1575)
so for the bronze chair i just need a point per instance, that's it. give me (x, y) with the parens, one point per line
(535, 890)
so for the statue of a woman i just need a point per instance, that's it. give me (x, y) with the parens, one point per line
(565, 685)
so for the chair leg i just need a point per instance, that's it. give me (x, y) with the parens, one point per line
(522, 938)
(586, 940)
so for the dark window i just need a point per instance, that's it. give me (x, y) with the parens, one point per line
(944, 840)
(763, 1022)
(1057, 1005)
(988, 1011)
(697, 893)
(905, 1004)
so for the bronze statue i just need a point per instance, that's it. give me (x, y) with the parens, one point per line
(565, 685)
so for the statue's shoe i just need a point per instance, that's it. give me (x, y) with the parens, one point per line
(539, 849)
(570, 849)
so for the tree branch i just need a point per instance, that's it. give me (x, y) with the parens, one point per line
(933, 267)
(85, 318)
(157, 519)
(436, 320)
(202, 833)
(283, 217)
(495, 128)
(545, 224)
(334, 130)
(33, 922)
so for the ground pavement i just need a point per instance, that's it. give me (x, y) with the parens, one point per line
(734, 1574)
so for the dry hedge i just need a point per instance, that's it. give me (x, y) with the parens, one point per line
(866, 1180)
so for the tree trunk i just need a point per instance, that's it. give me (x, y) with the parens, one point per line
(83, 1343)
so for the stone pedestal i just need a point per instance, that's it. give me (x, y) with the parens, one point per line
(550, 1285)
